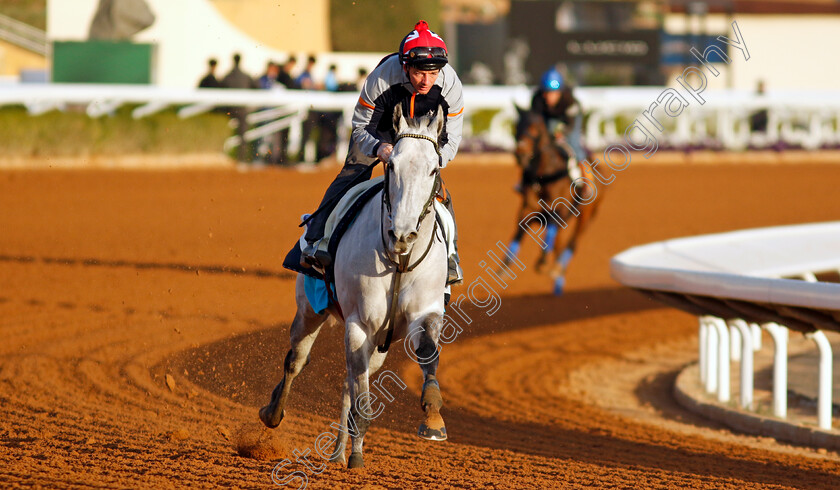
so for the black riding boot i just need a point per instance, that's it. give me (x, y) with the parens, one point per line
(315, 228)
(455, 274)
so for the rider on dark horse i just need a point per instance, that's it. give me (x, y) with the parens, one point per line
(561, 111)
(419, 78)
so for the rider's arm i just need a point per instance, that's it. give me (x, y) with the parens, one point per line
(453, 94)
(371, 105)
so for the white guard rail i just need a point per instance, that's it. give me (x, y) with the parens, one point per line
(743, 281)
(807, 119)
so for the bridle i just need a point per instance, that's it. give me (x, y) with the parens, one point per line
(402, 262)
(427, 207)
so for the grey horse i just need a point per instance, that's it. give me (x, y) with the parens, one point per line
(390, 275)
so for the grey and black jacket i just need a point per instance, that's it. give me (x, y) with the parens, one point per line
(388, 85)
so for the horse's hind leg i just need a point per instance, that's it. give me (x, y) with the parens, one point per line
(549, 239)
(304, 330)
(432, 428)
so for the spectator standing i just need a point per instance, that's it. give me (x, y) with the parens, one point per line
(284, 78)
(305, 81)
(284, 75)
(328, 120)
(210, 80)
(238, 79)
(360, 81)
(331, 79)
(269, 78)
(268, 148)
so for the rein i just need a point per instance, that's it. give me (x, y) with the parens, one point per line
(402, 262)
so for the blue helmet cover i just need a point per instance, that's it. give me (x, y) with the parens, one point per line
(552, 80)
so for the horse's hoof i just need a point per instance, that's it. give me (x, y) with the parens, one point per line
(269, 418)
(356, 461)
(433, 428)
(338, 459)
(559, 284)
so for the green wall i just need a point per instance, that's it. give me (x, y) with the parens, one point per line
(102, 62)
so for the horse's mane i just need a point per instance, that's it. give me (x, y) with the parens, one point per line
(420, 123)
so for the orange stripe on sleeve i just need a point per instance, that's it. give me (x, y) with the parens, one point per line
(453, 114)
(411, 107)
(362, 101)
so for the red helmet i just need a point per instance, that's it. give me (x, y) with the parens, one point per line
(423, 49)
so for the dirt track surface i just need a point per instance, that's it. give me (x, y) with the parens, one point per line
(144, 315)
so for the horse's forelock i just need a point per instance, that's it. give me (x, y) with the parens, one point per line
(527, 119)
(422, 125)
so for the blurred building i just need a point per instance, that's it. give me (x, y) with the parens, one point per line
(786, 41)
(23, 50)
(595, 42)
(186, 33)
(642, 42)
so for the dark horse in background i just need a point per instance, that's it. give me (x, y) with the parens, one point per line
(549, 167)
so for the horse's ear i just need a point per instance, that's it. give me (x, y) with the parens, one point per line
(436, 124)
(399, 121)
(520, 110)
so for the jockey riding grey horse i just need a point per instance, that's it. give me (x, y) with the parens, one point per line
(418, 78)
(390, 277)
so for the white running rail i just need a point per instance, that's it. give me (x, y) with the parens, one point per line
(740, 282)
(807, 119)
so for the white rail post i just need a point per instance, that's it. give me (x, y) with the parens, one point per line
(193, 110)
(712, 361)
(779, 334)
(735, 343)
(722, 360)
(704, 348)
(756, 336)
(746, 397)
(824, 398)
(148, 109)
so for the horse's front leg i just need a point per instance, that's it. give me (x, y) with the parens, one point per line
(426, 333)
(338, 455)
(358, 350)
(516, 242)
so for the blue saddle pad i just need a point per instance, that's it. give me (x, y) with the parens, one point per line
(316, 293)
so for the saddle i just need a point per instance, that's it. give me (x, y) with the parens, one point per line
(338, 222)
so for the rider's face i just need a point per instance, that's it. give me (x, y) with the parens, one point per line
(422, 80)
(552, 97)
